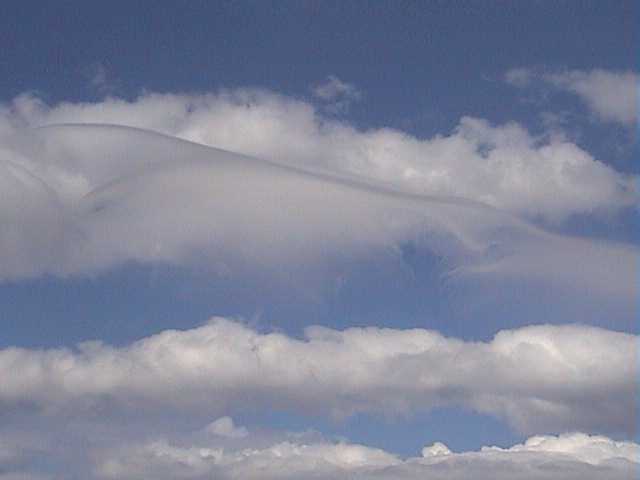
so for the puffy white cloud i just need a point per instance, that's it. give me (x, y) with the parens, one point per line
(611, 95)
(570, 456)
(282, 460)
(503, 165)
(549, 378)
(593, 449)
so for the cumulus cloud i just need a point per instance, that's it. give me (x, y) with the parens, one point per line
(295, 455)
(550, 378)
(570, 456)
(611, 95)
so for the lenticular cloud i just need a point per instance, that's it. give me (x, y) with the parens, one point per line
(544, 176)
(85, 198)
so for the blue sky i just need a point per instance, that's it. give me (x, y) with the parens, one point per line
(450, 189)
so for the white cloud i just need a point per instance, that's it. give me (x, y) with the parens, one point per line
(592, 449)
(549, 378)
(281, 460)
(334, 88)
(337, 95)
(571, 456)
(503, 166)
(519, 77)
(99, 78)
(82, 199)
(72, 449)
(611, 95)
(224, 427)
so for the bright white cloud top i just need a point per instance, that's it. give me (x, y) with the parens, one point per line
(544, 378)
(503, 166)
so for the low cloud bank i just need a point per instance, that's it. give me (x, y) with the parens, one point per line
(569, 456)
(543, 378)
(266, 454)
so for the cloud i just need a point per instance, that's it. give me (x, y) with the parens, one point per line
(82, 199)
(549, 378)
(323, 201)
(610, 95)
(224, 427)
(570, 456)
(336, 94)
(99, 78)
(72, 449)
(504, 165)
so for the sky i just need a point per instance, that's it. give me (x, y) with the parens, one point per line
(319, 240)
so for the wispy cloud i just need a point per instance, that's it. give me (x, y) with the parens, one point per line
(611, 96)
(337, 96)
(100, 79)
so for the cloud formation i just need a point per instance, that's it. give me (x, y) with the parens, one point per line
(544, 378)
(504, 165)
(100, 452)
(225, 427)
(86, 198)
(570, 456)
(611, 96)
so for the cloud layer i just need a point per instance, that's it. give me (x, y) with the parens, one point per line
(83, 199)
(265, 454)
(545, 378)
(570, 456)
(504, 166)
